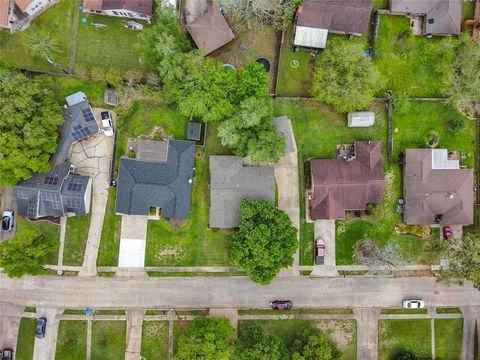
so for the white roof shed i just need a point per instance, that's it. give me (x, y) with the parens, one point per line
(310, 37)
(361, 119)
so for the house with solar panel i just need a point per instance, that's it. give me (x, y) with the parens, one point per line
(57, 193)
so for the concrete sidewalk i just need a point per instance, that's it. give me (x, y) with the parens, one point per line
(367, 333)
(134, 334)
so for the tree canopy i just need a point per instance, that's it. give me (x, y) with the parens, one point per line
(252, 81)
(344, 77)
(255, 344)
(29, 118)
(26, 253)
(250, 131)
(265, 241)
(314, 345)
(463, 260)
(207, 339)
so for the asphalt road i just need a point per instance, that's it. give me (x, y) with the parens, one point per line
(229, 292)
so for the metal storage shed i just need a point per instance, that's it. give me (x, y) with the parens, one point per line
(361, 119)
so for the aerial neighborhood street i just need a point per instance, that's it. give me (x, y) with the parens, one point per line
(239, 179)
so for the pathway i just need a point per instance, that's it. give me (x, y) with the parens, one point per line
(73, 48)
(45, 348)
(8, 203)
(470, 314)
(367, 333)
(133, 241)
(432, 312)
(10, 317)
(89, 338)
(325, 229)
(134, 334)
(63, 230)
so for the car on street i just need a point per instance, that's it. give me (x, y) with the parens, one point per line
(7, 354)
(319, 252)
(413, 304)
(41, 327)
(7, 220)
(107, 123)
(447, 232)
(281, 305)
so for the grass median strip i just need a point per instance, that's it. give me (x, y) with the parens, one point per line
(26, 339)
(108, 340)
(72, 340)
(155, 340)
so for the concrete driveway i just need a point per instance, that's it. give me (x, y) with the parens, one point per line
(10, 316)
(133, 241)
(325, 229)
(8, 203)
(45, 348)
(92, 158)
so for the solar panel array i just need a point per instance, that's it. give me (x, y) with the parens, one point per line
(22, 194)
(88, 115)
(75, 185)
(32, 210)
(50, 180)
(73, 203)
(54, 198)
(80, 133)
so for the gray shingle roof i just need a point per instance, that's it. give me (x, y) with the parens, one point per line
(144, 184)
(230, 182)
(194, 130)
(55, 193)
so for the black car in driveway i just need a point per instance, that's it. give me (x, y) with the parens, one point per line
(41, 327)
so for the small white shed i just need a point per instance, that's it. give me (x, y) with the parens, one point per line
(310, 37)
(361, 119)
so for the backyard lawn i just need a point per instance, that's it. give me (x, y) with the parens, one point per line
(26, 339)
(179, 329)
(411, 64)
(110, 240)
(448, 338)
(72, 340)
(395, 336)
(108, 340)
(155, 340)
(57, 22)
(64, 86)
(76, 239)
(45, 228)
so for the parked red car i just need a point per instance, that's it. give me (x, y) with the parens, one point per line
(319, 252)
(447, 233)
(281, 305)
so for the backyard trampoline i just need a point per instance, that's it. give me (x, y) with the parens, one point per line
(265, 63)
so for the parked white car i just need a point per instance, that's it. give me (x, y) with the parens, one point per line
(7, 220)
(413, 304)
(107, 123)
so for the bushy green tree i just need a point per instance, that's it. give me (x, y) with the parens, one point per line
(252, 81)
(255, 344)
(26, 253)
(265, 241)
(206, 339)
(463, 261)
(315, 345)
(344, 77)
(29, 118)
(250, 131)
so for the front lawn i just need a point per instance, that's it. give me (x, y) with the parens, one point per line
(448, 338)
(112, 47)
(180, 329)
(26, 339)
(76, 239)
(424, 116)
(411, 64)
(72, 340)
(108, 340)
(155, 340)
(57, 21)
(110, 240)
(317, 132)
(46, 228)
(395, 336)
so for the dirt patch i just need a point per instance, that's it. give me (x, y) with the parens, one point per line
(171, 251)
(341, 332)
(153, 328)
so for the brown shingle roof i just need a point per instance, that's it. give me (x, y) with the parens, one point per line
(4, 7)
(23, 4)
(140, 6)
(339, 185)
(210, 31)
(345, 16)
(430, 191)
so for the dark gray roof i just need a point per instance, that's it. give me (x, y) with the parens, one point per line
(283, 126)
(441, 16)
(144, 184)
(151, 150)
(55, 193)
(194, 130)
(79, 124)
(230, 182)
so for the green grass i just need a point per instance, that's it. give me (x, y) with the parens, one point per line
(404, 311)
(343, 331)
(72, 340)
(46, 228)
(180, 328)
(26, 339)
(448, 338)
(155, 340)
(293, 311)
(74, 312)
(76, 239)
(110, 239)
(454, 310)
(30, 309)
(424, 116)
(112, 47)
(412, 64)
(395, 336)
(109, 312)
(57, 22)
(156, 312)
(468, 10)
(108, 340)
(381, 4)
